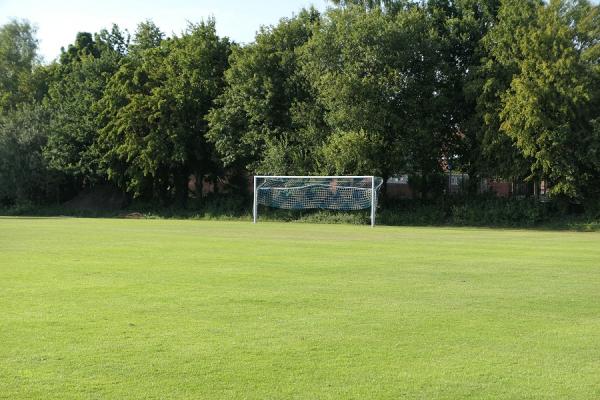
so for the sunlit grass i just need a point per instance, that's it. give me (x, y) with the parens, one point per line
(156, 309)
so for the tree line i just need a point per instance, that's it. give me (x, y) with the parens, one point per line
(491, 88)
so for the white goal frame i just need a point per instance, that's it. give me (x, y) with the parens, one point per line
(371, 177)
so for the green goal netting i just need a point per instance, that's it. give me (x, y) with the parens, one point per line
(344, 193)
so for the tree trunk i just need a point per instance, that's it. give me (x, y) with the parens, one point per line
(181, 179)
(385, 176)
(161, 187)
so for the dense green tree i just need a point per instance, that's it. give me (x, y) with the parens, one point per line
(267, 119)
(377, 74)
(391, 6)
(18, 57)
(351, 152)
(114, 40)
(153, 114)
(24, 173)
(459, 26)
(551, 108)
(495, 88)
(492, 152)
(83, 46)
(88, 45)
(79, 82)
(147, 36)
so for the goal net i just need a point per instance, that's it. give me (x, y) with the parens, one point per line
(344, 193)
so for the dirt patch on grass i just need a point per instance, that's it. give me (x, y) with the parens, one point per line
(133, 215)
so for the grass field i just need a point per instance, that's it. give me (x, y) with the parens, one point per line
(157, 309)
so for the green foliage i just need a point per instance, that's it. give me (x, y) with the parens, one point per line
(18, 57)
(459, 27)
(391, 6)
(471, 211)
(493, 152)
(152, 114)
(24, 174)
(551, 105)
(79, 82)
(377, 73)
(500, 212)
(147, 36)
(84, 46)
(493, 88)
(351, 153)
(267, 119)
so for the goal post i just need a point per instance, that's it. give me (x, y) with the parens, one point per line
(343, 193)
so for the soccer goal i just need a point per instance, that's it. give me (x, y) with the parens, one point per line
(317, 192)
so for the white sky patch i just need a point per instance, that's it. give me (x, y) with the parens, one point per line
(59, 21)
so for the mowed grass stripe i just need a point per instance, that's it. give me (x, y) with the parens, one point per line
(108, 308)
